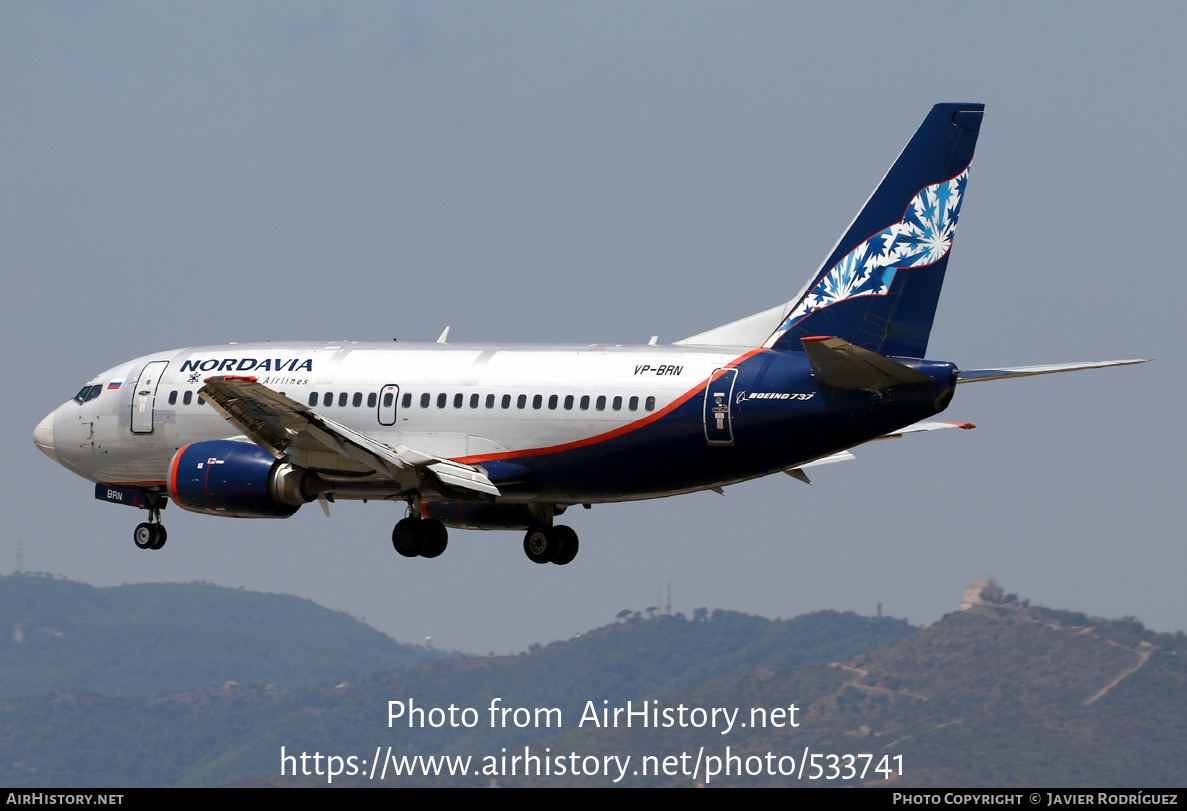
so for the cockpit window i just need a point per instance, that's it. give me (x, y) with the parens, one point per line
(88, 393)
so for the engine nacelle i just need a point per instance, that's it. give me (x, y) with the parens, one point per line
(479, 515)
(238, 480)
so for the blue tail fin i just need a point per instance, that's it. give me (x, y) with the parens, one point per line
(879, 287)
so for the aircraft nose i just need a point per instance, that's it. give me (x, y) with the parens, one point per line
(43, 437)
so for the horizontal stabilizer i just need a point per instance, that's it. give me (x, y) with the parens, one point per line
(798, 471)
(977, 375)
(925, 426)
(839, 456)
(842, 365)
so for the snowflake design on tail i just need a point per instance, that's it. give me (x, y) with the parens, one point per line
(922, 237)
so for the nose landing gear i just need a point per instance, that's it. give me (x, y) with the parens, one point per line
(151, 534)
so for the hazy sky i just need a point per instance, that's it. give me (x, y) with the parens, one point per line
(189, 174)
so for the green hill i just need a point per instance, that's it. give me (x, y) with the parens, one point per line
(235, 733)
(996, 696)
(155, 638)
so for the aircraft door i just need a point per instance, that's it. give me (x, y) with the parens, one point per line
(719, 395)
(389, 399)
(144, 395)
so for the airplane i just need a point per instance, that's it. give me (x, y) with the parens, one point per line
(479, 436)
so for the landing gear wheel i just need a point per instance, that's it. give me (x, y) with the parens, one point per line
(145, 535)
(435, 537)
(563, 544)
(151, 534)
(537, 545)
(407, 538)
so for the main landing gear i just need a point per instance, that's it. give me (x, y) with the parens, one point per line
(151, 534)
(556, 544)
(420, 537)
(416, 537)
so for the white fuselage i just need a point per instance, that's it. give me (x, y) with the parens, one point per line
(466, 402)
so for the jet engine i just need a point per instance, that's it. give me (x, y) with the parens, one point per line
(238, 480)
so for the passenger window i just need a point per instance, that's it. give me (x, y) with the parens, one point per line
(424, 400)
(568, 402)
(506, 401)
(173, 398)
(328, 399)
(618, 404)
(372, 399)
(473, 401)
(521, 401)
(585, 402)
(458, 399)
(552, 403)
(342, 399)
(490, 401)
(357, 400)
(633, 404)
(537, 401)
(187, 397)
(441, 398)
(313, 398)
(650, 406)
(406, 400)
(200, 400)
(388, 397)
(601, 402)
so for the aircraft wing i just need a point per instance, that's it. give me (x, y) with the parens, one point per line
(978, 375)
(290, 430)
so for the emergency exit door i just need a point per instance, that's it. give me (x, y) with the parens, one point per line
(389, 399)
